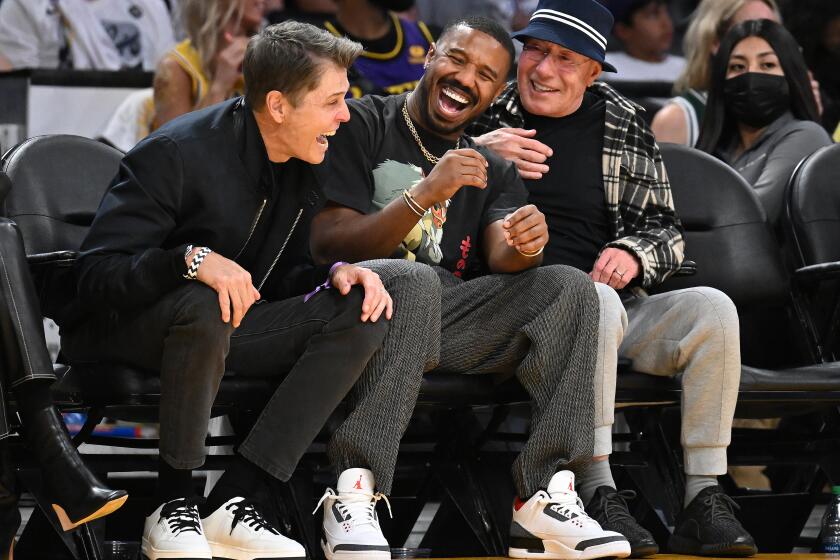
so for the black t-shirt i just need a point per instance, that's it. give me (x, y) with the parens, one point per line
(373, 158)
(571, 194)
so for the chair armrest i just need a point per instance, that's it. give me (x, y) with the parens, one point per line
(810, 276)
(687, 268)
(56, 258)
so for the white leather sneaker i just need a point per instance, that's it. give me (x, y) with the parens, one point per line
(553, 524)
(351, 527)
(174, 531)
(237, 531)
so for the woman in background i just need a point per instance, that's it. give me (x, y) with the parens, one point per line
(679, 121)
(761, 116)
(206, 68)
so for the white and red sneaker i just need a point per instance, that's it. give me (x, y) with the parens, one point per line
(553, 524)
(351, 526)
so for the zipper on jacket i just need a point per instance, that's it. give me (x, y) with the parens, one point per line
(282, 248)
(253, 227)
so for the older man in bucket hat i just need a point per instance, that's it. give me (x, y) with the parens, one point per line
(592, 166)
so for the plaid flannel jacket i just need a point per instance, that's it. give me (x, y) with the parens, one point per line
(638, 193)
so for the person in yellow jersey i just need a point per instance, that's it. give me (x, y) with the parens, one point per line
(394, 48)
(206, 68)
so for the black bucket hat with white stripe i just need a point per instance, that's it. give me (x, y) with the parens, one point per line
(578, 25)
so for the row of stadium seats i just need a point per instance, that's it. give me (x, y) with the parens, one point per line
(53, 187)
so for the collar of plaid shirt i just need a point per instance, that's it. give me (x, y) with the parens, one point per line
(636, 186)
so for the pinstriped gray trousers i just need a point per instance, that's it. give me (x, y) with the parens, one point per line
(540, 325)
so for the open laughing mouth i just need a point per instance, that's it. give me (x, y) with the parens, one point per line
(541, 88)
(452, 102)
(322, 138)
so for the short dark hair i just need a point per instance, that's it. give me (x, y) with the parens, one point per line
(288, 57)
(718, 125)
(627, 17)
(485, 25)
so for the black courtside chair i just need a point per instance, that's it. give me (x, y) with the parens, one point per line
(813, 237)
(728, 236)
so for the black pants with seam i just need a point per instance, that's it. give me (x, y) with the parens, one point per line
(315, 349)
(319, 351)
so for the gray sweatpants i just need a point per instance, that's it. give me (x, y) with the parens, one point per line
(538, 325)
(693, 333)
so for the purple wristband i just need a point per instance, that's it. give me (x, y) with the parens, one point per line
(327, 283)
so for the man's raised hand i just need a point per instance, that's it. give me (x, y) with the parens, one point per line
(526, 230)
(456, 169)
(518, 145)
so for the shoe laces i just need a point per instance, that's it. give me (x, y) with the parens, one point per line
(615, 505)
(568, 505)
(246, 512)
(720, 506)
(360, 507)
(181, 516)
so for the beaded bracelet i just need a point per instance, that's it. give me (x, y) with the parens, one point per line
(198, 258)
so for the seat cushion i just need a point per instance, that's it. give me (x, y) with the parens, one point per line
(820, 379)
(121, 385)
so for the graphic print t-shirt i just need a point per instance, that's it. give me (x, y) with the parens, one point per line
(373, 158)
(140, 30)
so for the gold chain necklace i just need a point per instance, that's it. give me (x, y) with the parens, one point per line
(428, 155)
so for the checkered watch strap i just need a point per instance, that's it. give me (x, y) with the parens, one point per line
(198, 258)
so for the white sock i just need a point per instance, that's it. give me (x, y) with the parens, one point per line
(598, 474)
(695, 483)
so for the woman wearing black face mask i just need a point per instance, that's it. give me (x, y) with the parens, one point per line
(761, 117)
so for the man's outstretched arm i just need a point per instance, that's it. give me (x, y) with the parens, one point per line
(341, 233)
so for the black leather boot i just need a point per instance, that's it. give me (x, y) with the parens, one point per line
(77, 495)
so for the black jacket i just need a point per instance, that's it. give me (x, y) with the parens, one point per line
(202, 179)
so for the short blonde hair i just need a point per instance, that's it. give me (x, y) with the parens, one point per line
(710, 22)
(204, 21)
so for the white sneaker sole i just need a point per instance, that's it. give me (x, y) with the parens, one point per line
(225, 552)
(148, 552)
(355, 554)
(559, 551)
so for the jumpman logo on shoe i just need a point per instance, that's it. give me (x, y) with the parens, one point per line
(352, 531)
